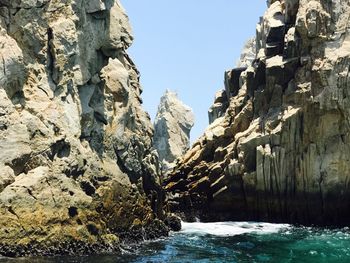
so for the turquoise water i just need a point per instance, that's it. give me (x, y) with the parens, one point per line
(236, 242)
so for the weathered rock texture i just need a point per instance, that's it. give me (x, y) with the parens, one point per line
(282, 150)
(76, 162)
(172, 128)
(232, 81)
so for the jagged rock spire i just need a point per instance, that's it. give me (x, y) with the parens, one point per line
(172, 127)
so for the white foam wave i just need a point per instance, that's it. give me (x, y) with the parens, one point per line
(231, 228)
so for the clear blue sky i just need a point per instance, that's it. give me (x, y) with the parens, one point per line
(186, 45)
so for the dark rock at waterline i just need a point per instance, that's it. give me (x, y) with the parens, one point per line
(65, 248)
(139, 232)
(136, 234)
(173, 222)
(156, 229)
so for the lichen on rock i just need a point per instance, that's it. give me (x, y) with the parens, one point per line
(77, 167)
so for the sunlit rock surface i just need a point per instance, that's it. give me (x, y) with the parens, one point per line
(232, 81)
(281, 150)
(172, 127)
(77, 167)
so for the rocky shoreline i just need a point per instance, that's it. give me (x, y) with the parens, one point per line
(128, 239)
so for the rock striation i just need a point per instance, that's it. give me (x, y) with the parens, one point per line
(172, 127)
(281, 150)
(78, 173)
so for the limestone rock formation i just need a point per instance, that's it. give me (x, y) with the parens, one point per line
(77, 167)
(172, 127)
(281, 151)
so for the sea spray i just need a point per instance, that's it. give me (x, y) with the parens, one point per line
(231, 228)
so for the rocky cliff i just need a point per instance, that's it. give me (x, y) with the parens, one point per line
(172, 127)
(281, 150)
(77, 168)
(231, 80)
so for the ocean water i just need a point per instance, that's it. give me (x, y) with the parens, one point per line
(233, 242)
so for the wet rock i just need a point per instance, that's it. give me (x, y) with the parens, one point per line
(156, 229)
(173, 222)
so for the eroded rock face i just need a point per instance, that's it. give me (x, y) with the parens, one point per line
(232, 81)
(172, 127)
(281, 151)
(77, 167)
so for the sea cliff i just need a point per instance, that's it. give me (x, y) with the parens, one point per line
(278, 146)
(78, 173)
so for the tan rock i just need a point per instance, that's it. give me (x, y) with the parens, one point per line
(172, 127)
(286, 129)
(76, 157)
